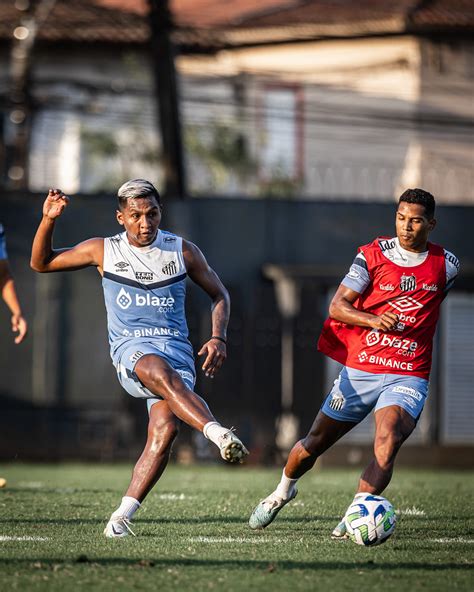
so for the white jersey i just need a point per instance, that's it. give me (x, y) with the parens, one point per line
(358, 277)
(144, 292)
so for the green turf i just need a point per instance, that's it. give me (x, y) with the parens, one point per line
(193, 534)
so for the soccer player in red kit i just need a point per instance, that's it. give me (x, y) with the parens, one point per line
(380, 327)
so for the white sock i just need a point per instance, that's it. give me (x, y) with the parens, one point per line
(286, 487)
(127, 508)
(213, 431)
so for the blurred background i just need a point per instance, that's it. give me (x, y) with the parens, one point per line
(280, 133)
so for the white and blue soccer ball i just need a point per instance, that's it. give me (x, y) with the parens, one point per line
(370, 520)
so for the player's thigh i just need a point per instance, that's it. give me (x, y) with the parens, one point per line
(159, 376)
(325, 432)
(400, 404)
(173, 363)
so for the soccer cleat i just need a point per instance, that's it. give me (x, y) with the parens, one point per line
(340, 532)
(267, 510)
(231, 448)
(118, 527)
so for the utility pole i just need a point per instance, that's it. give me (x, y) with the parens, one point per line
(32, 16)
(168, 100)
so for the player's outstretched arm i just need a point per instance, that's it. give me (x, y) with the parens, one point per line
(9, 295)
(204, 276)
(46, 259)
(342, 309)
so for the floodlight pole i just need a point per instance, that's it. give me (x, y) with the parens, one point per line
(32, 17)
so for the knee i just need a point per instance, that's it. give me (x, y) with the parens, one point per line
(386, 447)
(311, 446)
(166, 380)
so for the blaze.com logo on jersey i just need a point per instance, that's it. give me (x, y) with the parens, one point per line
(161, 303)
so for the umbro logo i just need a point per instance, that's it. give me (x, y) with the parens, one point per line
(405, 304)
(121, 266)
(170, 268)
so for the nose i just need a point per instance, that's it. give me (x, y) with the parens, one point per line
(145, 223)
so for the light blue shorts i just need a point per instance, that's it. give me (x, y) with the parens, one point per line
(355, 393)
(179, 360)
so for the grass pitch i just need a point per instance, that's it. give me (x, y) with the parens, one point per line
(192, 532)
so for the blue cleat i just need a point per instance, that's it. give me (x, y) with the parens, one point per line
(340, 532)
(267, 510)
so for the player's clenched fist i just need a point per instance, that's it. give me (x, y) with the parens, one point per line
(387, 321)
(54, 204)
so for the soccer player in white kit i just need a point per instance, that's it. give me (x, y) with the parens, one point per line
(143, 271)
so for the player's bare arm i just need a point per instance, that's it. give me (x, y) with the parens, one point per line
(9, 295)
(342, 309)
(204, 276)
(46, 259)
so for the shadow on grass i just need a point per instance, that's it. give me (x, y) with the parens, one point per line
(369, 565)
(57, 490)
(165, 520)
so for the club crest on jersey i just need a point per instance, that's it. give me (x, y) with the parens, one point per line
(170, 268)
(408, 283)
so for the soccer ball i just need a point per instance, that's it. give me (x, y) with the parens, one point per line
(370, 520)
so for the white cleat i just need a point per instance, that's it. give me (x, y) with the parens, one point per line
(118, 527)
(267, 510)
(231, 448)
(340, 532)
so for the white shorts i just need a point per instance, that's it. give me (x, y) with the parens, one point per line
(183, 365)
(355, 393)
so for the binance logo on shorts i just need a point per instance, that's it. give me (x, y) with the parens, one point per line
(337, 401)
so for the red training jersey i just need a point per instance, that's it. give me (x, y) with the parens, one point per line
(414, 294)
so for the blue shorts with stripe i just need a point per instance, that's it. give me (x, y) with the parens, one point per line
(180, 360)
(355, 393)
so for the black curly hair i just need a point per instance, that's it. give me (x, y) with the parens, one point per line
(422, 197)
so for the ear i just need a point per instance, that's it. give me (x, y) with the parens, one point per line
(119, 216)
(431, 224)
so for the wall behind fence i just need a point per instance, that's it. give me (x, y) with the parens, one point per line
(58, 390)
